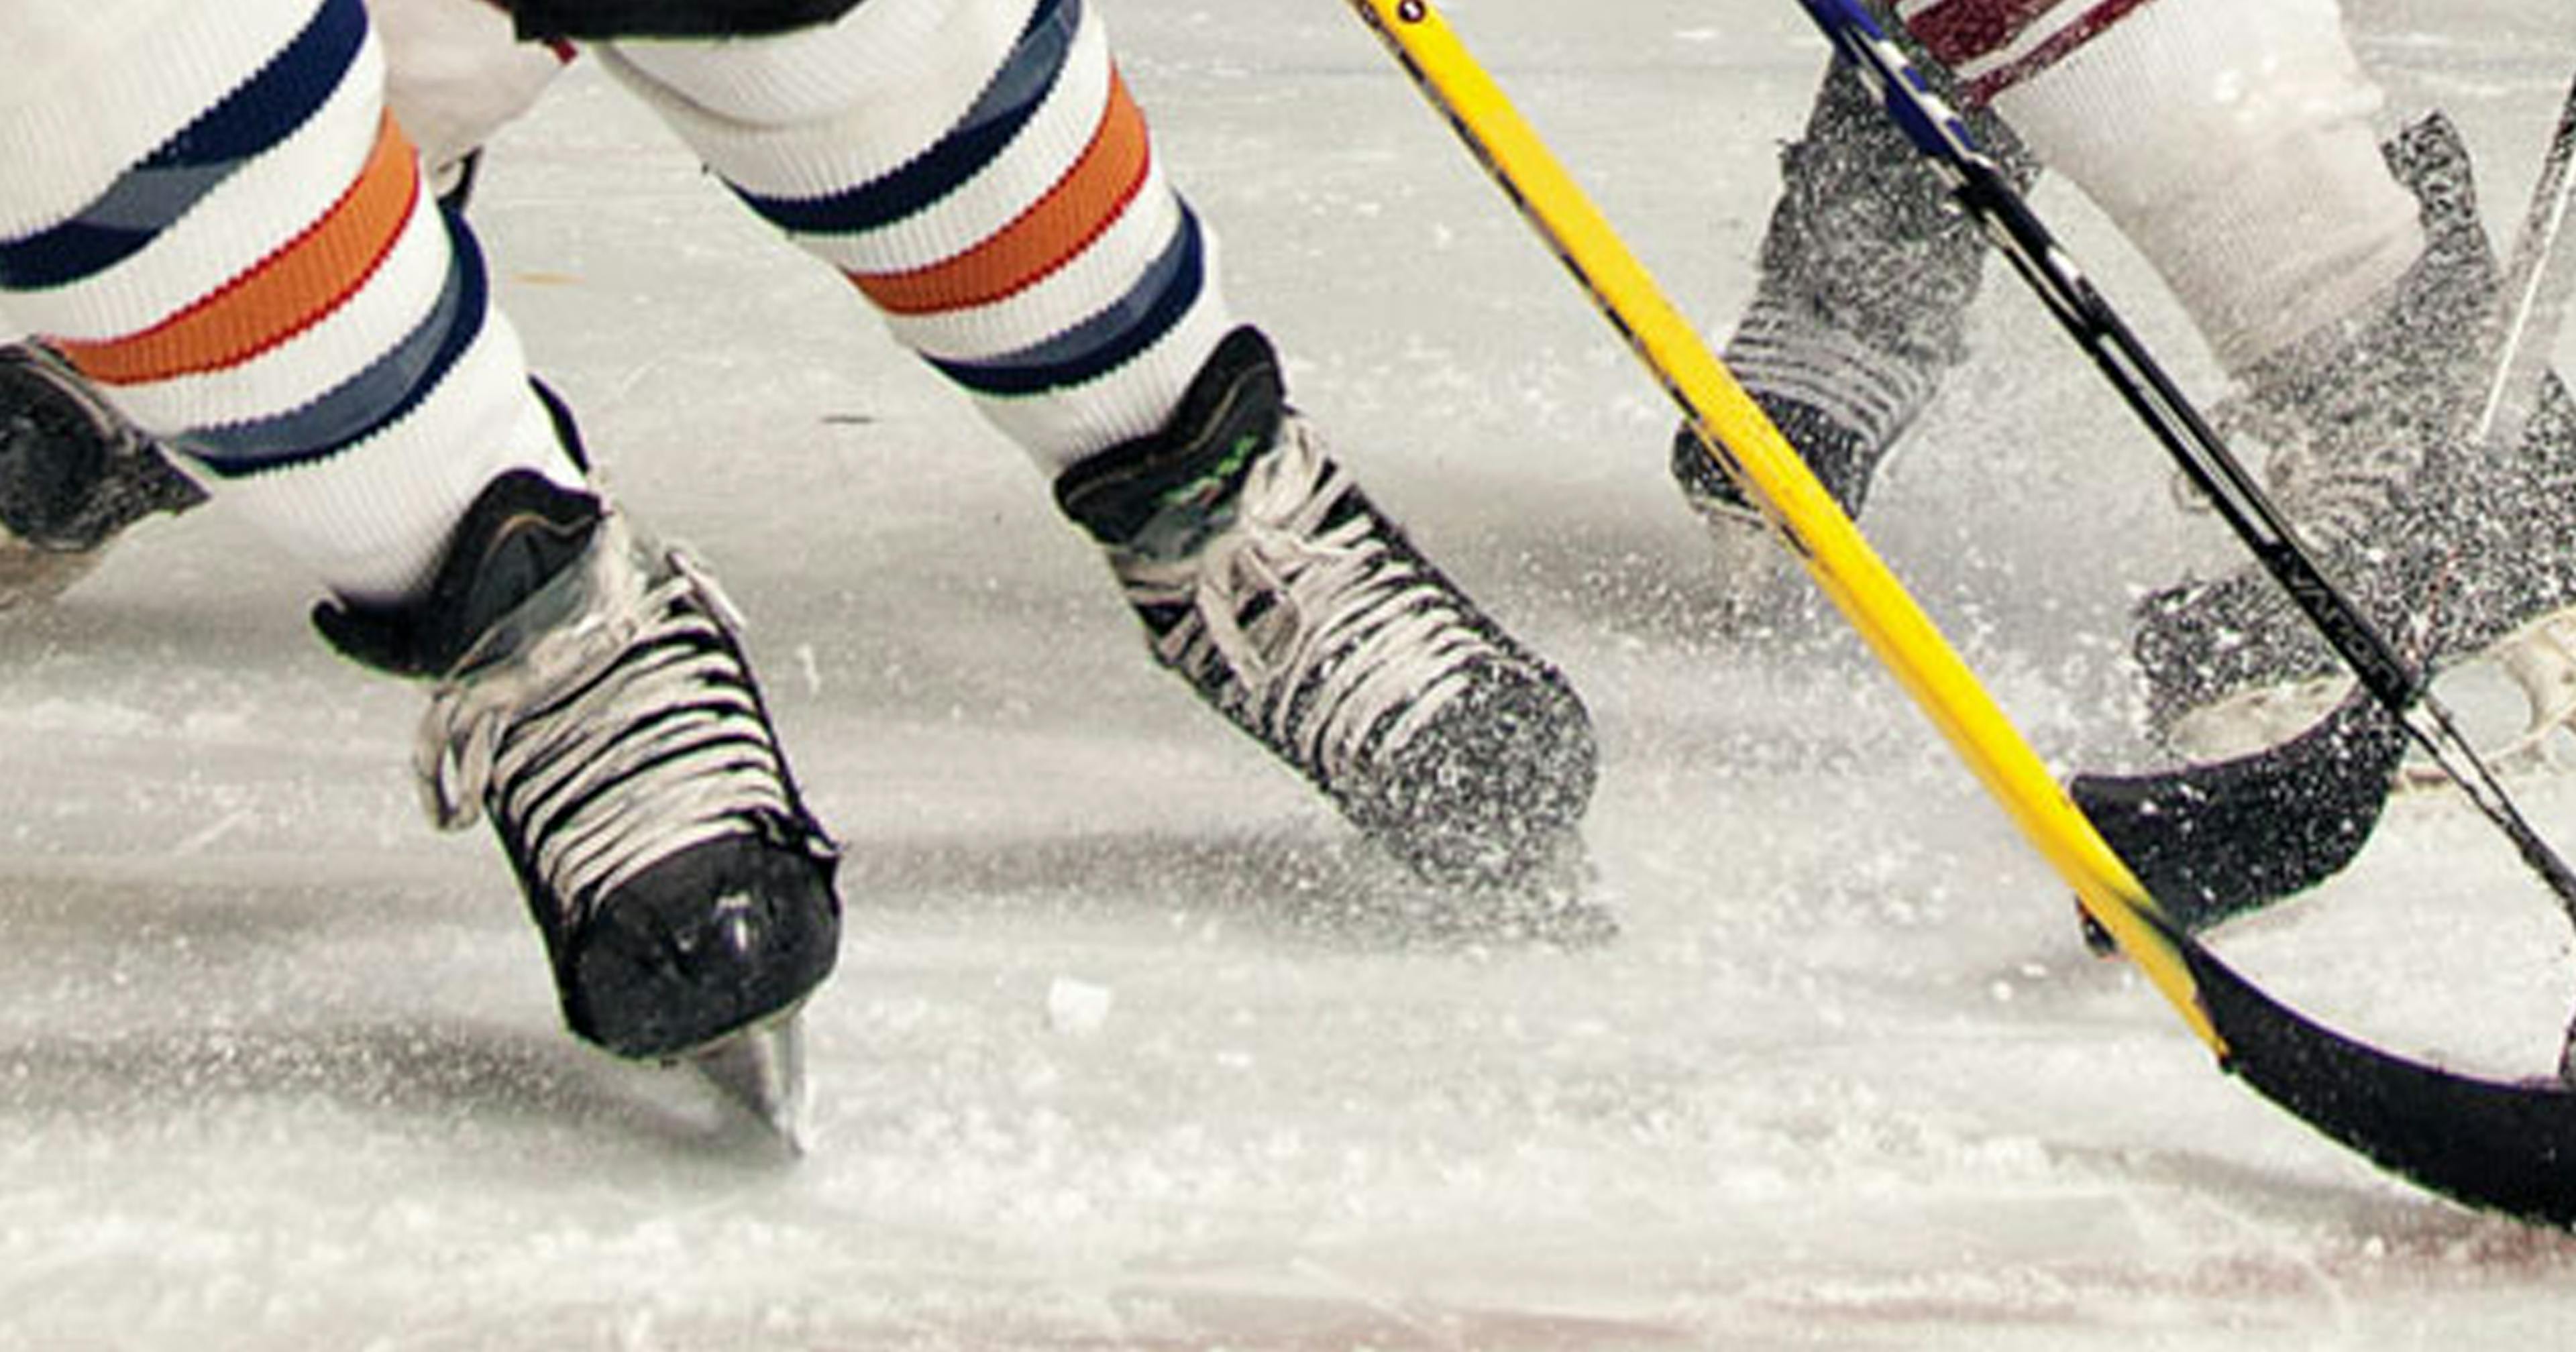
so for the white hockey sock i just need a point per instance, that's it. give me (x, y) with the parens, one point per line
(224, 231)
(2229, 139)
(978, 170)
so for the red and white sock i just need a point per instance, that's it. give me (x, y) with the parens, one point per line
(2229, 139)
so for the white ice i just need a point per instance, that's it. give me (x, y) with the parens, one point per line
(281, 1068)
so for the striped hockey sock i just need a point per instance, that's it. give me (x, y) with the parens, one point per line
(229, 236)
(981, 173)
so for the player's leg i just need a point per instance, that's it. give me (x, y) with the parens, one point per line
(208, 213)
(74, 473)
(979, 170)
(2342, 284)
(1859, 310)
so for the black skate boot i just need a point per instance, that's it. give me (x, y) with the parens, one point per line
(1266, 579)
(73, 475)
(592, 701)
(1867, 276)
(2449, 549)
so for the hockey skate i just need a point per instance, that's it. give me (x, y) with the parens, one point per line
(1867, 276)
(1268, 581)
(592, 701)
(2453, 551)
(73, 475)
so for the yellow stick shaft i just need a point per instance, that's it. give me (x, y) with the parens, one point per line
(1808, 521)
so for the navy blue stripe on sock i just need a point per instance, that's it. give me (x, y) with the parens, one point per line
(370, 401)
(1105, 341)
(146, 199)
(1030, 73)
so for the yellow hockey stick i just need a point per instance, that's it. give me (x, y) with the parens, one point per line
(2504, 1146)
(1808, 521)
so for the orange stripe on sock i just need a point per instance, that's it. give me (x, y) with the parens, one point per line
(285, 293)
(1056, 228)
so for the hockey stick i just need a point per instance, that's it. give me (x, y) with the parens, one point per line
(2218, 840)
(1982, 190)
(2534, 300)
(2504, 1147)
(2303, 809)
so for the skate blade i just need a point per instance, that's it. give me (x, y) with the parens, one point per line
(1386, 901)
(2540, 660)
(31, 577)
(1760, 590)
(762, 1069)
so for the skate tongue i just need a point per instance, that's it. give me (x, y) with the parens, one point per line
(763, 1070)
(1163, 496)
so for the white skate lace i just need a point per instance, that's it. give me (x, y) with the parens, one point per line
(610, 740)
(1328, 634)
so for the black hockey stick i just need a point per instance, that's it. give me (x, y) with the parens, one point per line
(2399, 689)
(2217, 840)
(2299, 811)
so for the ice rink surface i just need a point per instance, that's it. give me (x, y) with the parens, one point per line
(1118, 1056)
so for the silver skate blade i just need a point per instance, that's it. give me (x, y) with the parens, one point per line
(763, 1069)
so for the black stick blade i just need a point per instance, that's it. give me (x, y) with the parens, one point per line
(2217, 840)
(2506, 1148)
